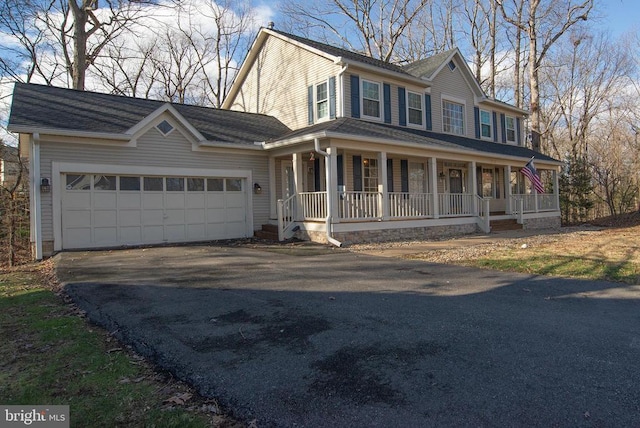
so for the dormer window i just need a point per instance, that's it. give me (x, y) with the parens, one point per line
(414, 108)
(371, 99)
(165, 127)
(322, 101)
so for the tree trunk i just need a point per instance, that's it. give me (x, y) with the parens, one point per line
(79, 65)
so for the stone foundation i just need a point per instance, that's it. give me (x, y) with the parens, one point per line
(387, 235)
(542, 223)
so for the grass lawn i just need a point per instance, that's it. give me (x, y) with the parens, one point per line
(50, 355)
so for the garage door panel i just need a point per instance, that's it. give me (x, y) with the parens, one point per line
(102, 200)
(206, 209)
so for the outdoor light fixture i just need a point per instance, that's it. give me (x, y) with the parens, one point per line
(257, 189)
(442, 176)
(45, 185)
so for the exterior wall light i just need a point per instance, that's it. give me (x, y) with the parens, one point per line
(257, 189)
(45, 185)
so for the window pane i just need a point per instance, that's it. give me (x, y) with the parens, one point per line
(165, 127)
(234, 185)
(415, 101)
(104, 182)
(215, 184)
(415, 117)
(129, 183)
(322, 109)
(371, 108)
(195, 184)
(370, 90)
(78, 182)
(175, 184)
(321, 92)
(153, 184)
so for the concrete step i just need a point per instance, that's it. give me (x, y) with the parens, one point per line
(500, 225)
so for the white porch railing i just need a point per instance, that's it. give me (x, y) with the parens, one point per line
(404, 204)
(314, 205)
(360, 205)
(533, 202)
(456, 204)
(286, 216)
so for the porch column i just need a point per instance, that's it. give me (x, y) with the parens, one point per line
(298, 182)
(556, 188)
(331, 176)
(433, 181)
(507, 188)
(273, 203)
(382, 185)
(474, 185)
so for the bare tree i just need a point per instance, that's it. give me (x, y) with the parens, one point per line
(378, 26)
(544, 22)
(14, 217)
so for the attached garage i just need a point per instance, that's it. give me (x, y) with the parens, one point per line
(108, 209)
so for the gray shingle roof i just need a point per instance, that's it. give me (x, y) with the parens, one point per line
(356, 127)
(41, 106)
(425, 68)
(335, 51)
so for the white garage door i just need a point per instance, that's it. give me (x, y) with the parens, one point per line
(112, 210)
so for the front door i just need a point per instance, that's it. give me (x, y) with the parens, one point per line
(455, 181)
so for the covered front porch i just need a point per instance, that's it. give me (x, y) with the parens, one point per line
(385, 195)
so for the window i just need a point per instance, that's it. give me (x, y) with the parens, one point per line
(175, 184)
(165, 127)
(371, 99)
(487, 183)
(414, 106)
(195, 184)
(452, 117)
(370, 174)
(104, 182)
(416, 178)
(234, 185)
(452, 65)
(153, 184)
(215, 184)
(485, 124)
(322, 101)
(130, 183)
(78, 182)
(510, 124)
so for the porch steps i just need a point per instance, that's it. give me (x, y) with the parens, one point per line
(268, 231)
(502, 225)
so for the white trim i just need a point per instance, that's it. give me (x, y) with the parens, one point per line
(43, 131)
(153, 116)
(59, 168)
(36, 203)
(378, 118)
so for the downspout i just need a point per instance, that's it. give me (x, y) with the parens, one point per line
(36, 203)
(327, 162)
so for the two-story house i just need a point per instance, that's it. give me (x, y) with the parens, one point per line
(327, 144)
(404, 152)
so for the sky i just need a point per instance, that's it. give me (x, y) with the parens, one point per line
(619, 16)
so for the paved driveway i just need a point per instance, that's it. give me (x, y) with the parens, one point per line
(319, 337)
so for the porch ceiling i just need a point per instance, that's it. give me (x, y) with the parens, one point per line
(359, 129)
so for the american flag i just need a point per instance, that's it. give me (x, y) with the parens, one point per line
(530, 171)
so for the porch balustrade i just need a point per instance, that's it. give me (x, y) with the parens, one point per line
(360, 205)
(534, 203)
(314, 205)
(404, 204)
(456, 204)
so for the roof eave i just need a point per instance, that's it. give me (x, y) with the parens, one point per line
(379, 70)
(26, 129)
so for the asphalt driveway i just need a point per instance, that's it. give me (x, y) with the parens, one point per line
(316, 337)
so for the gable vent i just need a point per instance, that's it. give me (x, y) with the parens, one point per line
(165, 127)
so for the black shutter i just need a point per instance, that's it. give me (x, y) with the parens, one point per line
(519, 136)
(316, 174)
(387, 102)
(404, 175)
(476, 114)
(402, 106)
(310, 104)
(495, 127)
(427, 110)
(340, 167)
(389, 175)
(332, 97)
(355, 96)
(357, 173)
(503, 126)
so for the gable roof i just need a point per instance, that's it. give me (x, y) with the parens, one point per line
(374, 131)
(426, 68)
(39, 108)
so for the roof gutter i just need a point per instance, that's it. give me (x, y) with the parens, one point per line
(24, 129)
(327, 163)
(402, 76)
